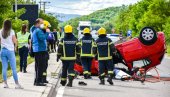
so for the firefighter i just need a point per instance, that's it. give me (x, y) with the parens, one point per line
(47, 25)
(105, 47)
(86, 44)
(67, 49)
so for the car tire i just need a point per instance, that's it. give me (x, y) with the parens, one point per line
(148, 36)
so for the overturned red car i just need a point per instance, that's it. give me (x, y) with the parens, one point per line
(149, 47)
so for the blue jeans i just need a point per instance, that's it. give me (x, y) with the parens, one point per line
(8, 56)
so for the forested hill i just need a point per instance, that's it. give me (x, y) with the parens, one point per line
(155, 13)
(98, 18)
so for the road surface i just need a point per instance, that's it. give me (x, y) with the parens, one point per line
(120, 88)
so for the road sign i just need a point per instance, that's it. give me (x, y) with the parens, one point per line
(31, 13)
(129, 33)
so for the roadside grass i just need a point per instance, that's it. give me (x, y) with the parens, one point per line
(9, 72)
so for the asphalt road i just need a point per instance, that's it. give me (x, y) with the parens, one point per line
(120, 88)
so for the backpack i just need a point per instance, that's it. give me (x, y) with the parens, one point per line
(51, 36)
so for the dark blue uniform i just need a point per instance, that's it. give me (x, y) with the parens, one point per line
(105, 48)
(67, 52)
(86, 54)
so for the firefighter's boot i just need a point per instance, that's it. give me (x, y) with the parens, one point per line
(63, 82)
(70, 82)
(102, 81)
(109, 80)
(85, 76)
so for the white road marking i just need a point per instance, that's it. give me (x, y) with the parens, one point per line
(60, 91)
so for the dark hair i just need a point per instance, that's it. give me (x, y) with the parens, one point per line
(24, 28)
(7, 25)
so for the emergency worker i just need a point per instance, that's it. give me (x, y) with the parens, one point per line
(47, 25)
(67, 52)
(22, 37)
(86, 44)
(105, 47)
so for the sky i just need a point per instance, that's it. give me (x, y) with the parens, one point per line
(83, 7)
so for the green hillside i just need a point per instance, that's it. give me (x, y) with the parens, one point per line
(153, 13)
(98, 18)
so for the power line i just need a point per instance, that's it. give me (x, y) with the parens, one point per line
(44, 4)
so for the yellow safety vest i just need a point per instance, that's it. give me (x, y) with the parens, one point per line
(22, 39)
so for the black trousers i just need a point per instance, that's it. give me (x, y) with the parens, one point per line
(45, 68)
(23, 53)
(68, 66)
(105, 65)
(50, 45)
(54, 44)
(40, 64)
(86, 62)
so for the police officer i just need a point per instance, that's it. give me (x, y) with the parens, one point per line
(67, 53)
(86, 44)
(105, 47)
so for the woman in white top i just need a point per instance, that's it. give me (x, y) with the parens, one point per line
(8, 47)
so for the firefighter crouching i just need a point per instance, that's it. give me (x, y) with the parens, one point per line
(67, 50)
(105, 47)
(86, 44)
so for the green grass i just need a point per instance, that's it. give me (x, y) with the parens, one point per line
(30, 60)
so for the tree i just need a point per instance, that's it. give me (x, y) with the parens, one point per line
(51, 19)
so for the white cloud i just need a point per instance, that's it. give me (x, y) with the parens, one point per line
(84, 7)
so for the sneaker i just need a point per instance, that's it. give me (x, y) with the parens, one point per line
(18, 86)
(6, 86)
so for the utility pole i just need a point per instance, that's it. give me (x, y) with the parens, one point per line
(16, 8)
(44, 4)
(40, 5)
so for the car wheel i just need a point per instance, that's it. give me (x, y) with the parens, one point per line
(148, 36)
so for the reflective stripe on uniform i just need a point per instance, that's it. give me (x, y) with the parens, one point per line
(71, 74)
(103, 74)
(87, 55)
(63, 79)
(60, 43)
(111, 43)
(108, 57)
(110, 72)
(68, 58)
(104, 58)
(85, 72)
(44, 73)
(65, 57)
